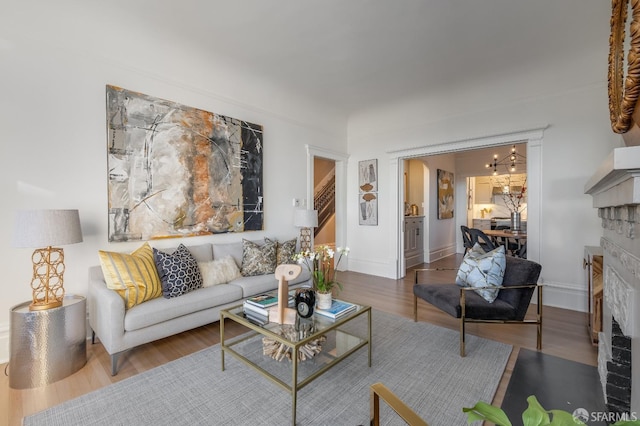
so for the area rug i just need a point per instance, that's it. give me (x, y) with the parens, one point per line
(557, 383)
(418, 361)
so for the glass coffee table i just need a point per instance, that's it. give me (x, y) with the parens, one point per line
(337, 338)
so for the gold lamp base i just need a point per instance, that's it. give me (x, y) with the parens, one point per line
(47, 282)
(42, 306)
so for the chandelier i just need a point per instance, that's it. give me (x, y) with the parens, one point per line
(509, 162)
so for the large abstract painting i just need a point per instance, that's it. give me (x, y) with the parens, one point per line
(368, 192)
(176, 171)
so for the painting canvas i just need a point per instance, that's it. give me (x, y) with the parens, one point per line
(368, 192)
(445, 194)
(176, 171)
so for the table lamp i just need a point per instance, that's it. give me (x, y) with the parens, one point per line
(47, 228)
(305, 220)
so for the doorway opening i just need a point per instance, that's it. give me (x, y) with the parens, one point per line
(533, 140)
(324, 201)
(339, 162)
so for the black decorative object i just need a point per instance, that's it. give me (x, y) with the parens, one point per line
(305, 302)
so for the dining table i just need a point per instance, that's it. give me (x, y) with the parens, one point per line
(520, 237)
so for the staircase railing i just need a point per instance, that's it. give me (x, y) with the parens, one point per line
(325, 202)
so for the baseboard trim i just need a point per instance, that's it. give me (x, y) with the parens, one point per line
(565, 296)
(441, 253)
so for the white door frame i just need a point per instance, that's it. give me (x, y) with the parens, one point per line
(532, 137)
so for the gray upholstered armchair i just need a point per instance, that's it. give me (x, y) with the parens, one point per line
(510, 307)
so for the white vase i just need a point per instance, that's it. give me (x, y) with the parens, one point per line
(324, 300)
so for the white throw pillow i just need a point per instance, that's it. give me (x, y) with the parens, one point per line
(480, 269)
(219, 271)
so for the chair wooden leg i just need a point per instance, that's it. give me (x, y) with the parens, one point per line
(415, 308)
(374, 409)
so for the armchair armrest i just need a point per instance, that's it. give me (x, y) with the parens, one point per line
(512, 287)
(378, 390)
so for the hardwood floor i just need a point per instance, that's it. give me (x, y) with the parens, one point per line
(564, 335)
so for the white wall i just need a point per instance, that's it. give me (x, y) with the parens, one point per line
(55, 65)
(577, 140)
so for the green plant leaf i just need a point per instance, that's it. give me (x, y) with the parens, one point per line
(563, 418)
(535, 415)
(484, 411)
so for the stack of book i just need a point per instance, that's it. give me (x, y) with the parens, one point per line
(256, 308)
(338, 309)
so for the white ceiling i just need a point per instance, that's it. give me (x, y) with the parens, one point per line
(354, 54)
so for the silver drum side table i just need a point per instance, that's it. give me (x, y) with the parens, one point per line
(48, 345)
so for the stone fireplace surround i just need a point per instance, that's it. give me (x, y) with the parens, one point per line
(615, 188)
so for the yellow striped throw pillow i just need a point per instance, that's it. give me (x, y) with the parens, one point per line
(133, 276)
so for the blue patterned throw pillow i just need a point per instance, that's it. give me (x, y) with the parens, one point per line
(480, 269)
(179, 272)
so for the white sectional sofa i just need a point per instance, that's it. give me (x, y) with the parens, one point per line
(120, 329)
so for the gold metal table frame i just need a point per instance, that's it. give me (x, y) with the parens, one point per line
(325, 325)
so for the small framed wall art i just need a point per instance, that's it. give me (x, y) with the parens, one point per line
(368, 192)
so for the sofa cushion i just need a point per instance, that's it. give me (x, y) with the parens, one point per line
(219, 271)
(480, 269)
(178, 271)
(265, 283)
(201, 252)
(229, 249)
(258, 259)
(133, 276)
(159, 310)
(447, 298)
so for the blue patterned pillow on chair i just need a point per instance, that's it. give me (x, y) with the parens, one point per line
(179, 272)
(480, 269)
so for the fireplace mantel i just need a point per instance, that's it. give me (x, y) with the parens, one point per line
(617, 181)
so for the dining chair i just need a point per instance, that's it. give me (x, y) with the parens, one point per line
(477, 236)
(522, 251)
(510, 246)
(466, 238)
